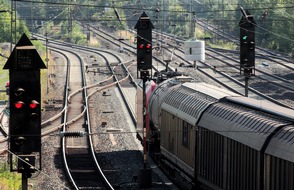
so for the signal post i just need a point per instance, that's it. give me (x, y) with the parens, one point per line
(247, 46)
(144, 71)
(24, 66)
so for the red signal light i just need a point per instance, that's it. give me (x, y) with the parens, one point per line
(18, 104)
(148, 46)
(34, 104)
(141, 46)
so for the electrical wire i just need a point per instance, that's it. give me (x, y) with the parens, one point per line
(47, 175)
(275, 34)
(136, 8)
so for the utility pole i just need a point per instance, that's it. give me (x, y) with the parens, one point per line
(192, 23)
(12, 24)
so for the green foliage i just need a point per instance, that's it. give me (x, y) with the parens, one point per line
(168, 16)
(109, 19)
(223, 44)
(77, 36)
(9, 180)
(4, 23)
(4, 77)
(271, 17)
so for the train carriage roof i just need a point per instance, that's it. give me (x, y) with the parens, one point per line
(282, 144)
(190, 100)
(246, 124)
(264, 106)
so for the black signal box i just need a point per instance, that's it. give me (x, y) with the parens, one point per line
(144, 42)
(24, 66)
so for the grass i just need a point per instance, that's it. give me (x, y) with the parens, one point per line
(223, 45)
(4, 74)
(4, 78)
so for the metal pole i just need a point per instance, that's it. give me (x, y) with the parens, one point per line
(32, 22)
(24, 181)
(191, 21)
(246, 85)
(11, 21)
(47, 59)
(144, 123)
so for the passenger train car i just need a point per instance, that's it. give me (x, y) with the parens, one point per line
(210, 138)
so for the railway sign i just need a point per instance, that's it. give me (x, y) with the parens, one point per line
(24, 66)
(144, 42)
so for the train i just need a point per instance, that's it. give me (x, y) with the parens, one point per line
(208, 138)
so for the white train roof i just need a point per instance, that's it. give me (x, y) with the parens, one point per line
(264, 106)
(213, 91)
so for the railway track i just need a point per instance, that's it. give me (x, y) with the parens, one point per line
(267, 54)
(263, 55)
(158, 63)
(78, 154)
(215, 74)
(121, 73)
(118, 76)
(224, 70)
(131, 50)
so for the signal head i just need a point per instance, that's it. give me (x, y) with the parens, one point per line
(18, 104)
(19, 92)
(34, 104)
(148, 46)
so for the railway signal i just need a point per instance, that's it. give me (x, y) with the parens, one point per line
(144, 42)
(247, 43)
(247, 46)
(144, 67)
(24, 66)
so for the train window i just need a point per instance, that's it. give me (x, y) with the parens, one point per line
(185, 135)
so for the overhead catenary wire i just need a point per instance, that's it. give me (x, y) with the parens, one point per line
(148, 9)
(278, 35)
(117, 131)
(136, 8)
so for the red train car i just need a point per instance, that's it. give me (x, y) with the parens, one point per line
(150, 86)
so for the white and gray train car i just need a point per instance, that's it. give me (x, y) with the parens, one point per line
(215, 139)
